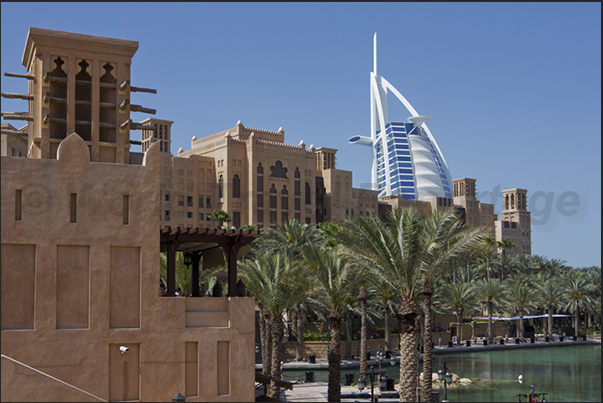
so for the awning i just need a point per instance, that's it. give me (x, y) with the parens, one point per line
(525, 317)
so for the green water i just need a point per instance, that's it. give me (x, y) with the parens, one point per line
(571, 373)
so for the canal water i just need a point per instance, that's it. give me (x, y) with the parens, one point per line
(567, 374)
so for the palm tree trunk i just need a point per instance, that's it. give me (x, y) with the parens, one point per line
(266, 341)
(349, 333)
(387, 329)
(459, 326)
(577, 317)
(399, 319)
(427, 349)
(300, 334)
(502, 265)
(550, 332)
(488, 268)
(276, 328)
(363, 328)
(489, 321)
(521, 331)
(409, 355)
(334, 388)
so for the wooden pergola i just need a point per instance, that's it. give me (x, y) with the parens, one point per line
(196, 241)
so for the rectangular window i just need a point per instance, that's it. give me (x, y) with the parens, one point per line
(272, 217)
(284, 202)
(260, 200)
(208, 203)
(18, 205)
(297, 188)
(189, 214)
(126, 208)
(284, 216)
(272, 201)
(73, 207)
(167, 197)
(200, 201)
(181, 201)
(236, 219)
(260, 184)
(189, 201)
(297, 204)
(167, 215)
(260, 215)
(200, 216)
(298, 216)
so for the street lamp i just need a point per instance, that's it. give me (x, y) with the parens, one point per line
(188, 259)
(444, 375)
(362, 382)
(382, 374)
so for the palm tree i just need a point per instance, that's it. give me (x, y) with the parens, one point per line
(220, 216)
(333, 281)
(399, 252)
(579, 292)
(385, 297)
(449, 241)
(550, 294)
(277, 284)
(489, 243)
(521, 298)
(491, 292)
(289, 237)
(503, 245)
(554, 266)
(461, 297)
(362, 298)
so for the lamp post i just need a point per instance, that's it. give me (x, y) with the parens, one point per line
(382, 374)
(444, 375)
(362, 382)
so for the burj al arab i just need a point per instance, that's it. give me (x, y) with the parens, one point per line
(407, 161)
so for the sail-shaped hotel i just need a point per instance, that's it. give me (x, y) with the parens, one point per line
(407, 161)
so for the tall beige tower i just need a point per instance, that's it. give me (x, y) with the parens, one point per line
(477, 214)
(78, 83)
(515, 222)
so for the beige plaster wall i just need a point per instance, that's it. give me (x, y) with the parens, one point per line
(74, 292)
(17, 380)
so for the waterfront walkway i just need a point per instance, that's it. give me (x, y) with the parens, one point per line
(317, 391)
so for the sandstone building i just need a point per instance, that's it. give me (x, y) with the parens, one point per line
(82, 318)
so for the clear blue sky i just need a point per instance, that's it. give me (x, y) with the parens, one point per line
(513, 89)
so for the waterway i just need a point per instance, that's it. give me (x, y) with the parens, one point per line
(567, 374)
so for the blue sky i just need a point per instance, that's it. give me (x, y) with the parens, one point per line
(513, 89)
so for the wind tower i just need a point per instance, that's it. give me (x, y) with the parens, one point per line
(407, 161)
(78, 83)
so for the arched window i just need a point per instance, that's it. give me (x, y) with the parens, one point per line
(260, 169)
(273, 197)
(221, 187)
(284, 198)
(236, 187)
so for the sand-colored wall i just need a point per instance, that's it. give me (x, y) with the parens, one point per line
(74, 292)
(18, 378)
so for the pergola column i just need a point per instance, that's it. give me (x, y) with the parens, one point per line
(172, 246)
(195, 257)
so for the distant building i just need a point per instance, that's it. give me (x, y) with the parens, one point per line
(15, 144)
(407, 161)
(515, 222)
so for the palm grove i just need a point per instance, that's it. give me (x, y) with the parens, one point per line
(406, 267)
